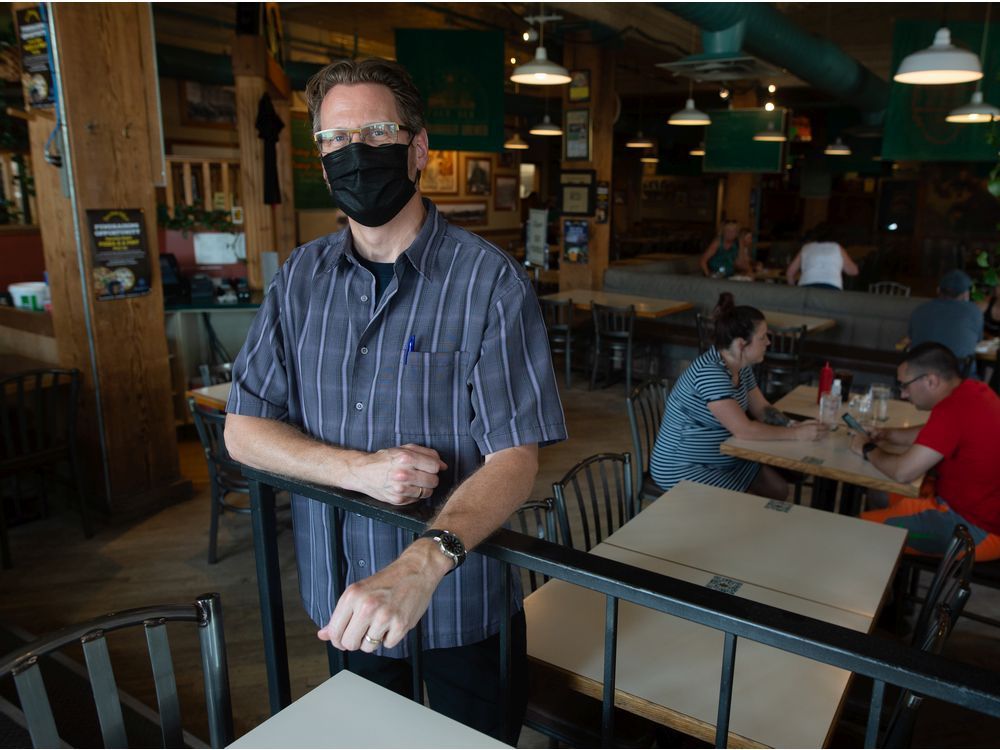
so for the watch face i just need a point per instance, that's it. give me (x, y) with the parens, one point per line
(452, 545)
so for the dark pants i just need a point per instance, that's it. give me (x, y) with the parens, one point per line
(822, 286)
(463, 683)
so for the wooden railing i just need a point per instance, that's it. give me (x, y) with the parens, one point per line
(213, 184)
(15, 172)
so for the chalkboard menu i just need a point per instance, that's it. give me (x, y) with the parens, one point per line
(307, 170)
(729, 143)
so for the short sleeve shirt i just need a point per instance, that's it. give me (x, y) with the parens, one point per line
(325, 356)
(958, 324)
(965, 429)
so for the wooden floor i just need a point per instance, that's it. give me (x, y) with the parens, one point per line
(60, 578)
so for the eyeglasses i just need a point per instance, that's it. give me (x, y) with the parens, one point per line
(903, 386)
(372, 134)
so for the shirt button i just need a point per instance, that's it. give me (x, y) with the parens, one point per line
(361, 563)
(364, 349)
(364, 297)
(359, 406)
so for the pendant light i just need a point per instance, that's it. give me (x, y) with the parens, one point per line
(690, 115)
(639, 141)
(940, 63)
(546, 127)
(977, 110)
(515, 143)
(771, 135)
(541, 71)
(649, 159)
(837, 148)
(698, 150)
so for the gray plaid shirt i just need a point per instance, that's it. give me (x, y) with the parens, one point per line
(323, 356)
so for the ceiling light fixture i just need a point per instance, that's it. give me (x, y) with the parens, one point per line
(771, 88)
(977, 111)
(649, 160)
(769, 106)
(546, 127)
(837, 148)
(698, 150)
(640, 141)
(771, 135)
(940, 63)
(515, 143)
(723, 93)
(541, 71)
(690, 115)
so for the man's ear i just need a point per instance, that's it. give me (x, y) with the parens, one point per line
(420, 148)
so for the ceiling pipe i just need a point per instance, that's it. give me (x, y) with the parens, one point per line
(770, 36)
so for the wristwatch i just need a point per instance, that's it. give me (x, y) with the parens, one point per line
(868, 448)
(449, 544)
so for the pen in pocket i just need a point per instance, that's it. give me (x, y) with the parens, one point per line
(409, 348)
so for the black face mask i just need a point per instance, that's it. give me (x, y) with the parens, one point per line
(370, 184)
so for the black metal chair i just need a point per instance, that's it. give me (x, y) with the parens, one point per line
(706, 332)
(205, 612)
(646, 404)
(558, 317)
(891, 288)
(782, 367)
(950, 584)
(613, 328)
(599, 488)
(38, 411)
(536, 518)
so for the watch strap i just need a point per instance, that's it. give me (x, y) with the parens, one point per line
(449, 544)
(868, 448)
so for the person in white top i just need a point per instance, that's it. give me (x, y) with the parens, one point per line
(821, 262)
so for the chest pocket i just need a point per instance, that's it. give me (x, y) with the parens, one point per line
(434, 397)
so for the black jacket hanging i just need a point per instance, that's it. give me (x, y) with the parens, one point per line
(269, 125)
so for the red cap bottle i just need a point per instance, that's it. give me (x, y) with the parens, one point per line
(825, 381)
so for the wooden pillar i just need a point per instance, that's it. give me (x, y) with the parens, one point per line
(266, 228)
(814, 212)
(739, 185)
(600, 62)
(106, 68)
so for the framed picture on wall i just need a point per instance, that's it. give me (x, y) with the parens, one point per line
(577, 139)
(478, 175)
(441, 173)
(466, 212)
(577, 189)
(208, 105)
(579, 86)
(504, 193)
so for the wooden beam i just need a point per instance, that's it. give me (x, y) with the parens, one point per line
(284, 213)
(257, 221)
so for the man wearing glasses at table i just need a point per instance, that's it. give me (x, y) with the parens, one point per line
(406, 359)
(960, 442)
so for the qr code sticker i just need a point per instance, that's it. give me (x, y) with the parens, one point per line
(725, 585)
(778, 505)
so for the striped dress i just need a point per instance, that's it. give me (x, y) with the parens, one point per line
(687, 446)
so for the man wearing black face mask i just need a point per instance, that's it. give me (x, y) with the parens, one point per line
(406, 359)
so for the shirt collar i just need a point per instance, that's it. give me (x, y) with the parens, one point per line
(421, 252)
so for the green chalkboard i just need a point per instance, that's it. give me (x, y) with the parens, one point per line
(729, 143)
(307, 171)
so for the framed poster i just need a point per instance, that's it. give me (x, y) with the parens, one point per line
(576, 246)
(504, 193)
(441, 173)
(577, 139)
(577, 189)
(478, 173)
(120, 247)
(208, 105)
(579, 86)
(474, 212)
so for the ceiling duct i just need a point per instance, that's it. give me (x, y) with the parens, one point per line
(722, 58)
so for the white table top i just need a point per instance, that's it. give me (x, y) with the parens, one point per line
(801, 401)
(213, 396)
(669, 668)
(350, 711)
(794, 320)
(645, 307)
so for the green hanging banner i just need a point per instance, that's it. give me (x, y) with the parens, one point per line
(729, 143)
(915, 128)
(460, 75)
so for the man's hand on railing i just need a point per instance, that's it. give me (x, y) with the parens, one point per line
(399, 476)
(383, 608)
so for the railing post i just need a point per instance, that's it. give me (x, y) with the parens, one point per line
(610, 665)
(874, 713)
(272, 611)
(726, 691)
(505, 655)
(416, 642)
(337, 658)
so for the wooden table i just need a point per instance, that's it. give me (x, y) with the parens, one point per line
(212, 396)
(829, 458)
(350, 711)
(645, 307)
(668, 668)
(794, 320)
(801, 402)
(987, 350)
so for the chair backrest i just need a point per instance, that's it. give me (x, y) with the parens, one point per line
(786, 344)
(37, 416)
(950, 585)
(899, 730)
(557, 314)
(206, 613)
(211, 426)
(536, 518)
(706, 332)
(613, 322)
(645, 405)
(889, 287)
(599, 489)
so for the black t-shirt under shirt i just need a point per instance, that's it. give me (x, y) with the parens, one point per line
(382, 273)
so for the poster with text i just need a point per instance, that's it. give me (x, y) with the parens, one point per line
(121, 253)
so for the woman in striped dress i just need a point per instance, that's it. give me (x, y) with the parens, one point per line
(710, 403)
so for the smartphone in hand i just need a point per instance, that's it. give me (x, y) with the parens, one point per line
(854, 424)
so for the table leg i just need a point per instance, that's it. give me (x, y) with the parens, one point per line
(824, 495)
(851, 500)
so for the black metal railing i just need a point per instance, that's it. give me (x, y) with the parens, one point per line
(885, 661)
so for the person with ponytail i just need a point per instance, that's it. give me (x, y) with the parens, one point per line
(716, 398)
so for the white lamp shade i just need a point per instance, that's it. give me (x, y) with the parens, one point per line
(940, 63)
(546, 127)
(515, 143)
(771, 135)
(649, 160)
(837, 148)
(698, 150)
(975, 111)
(541, 71)
(640, 141)
(690, 115)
